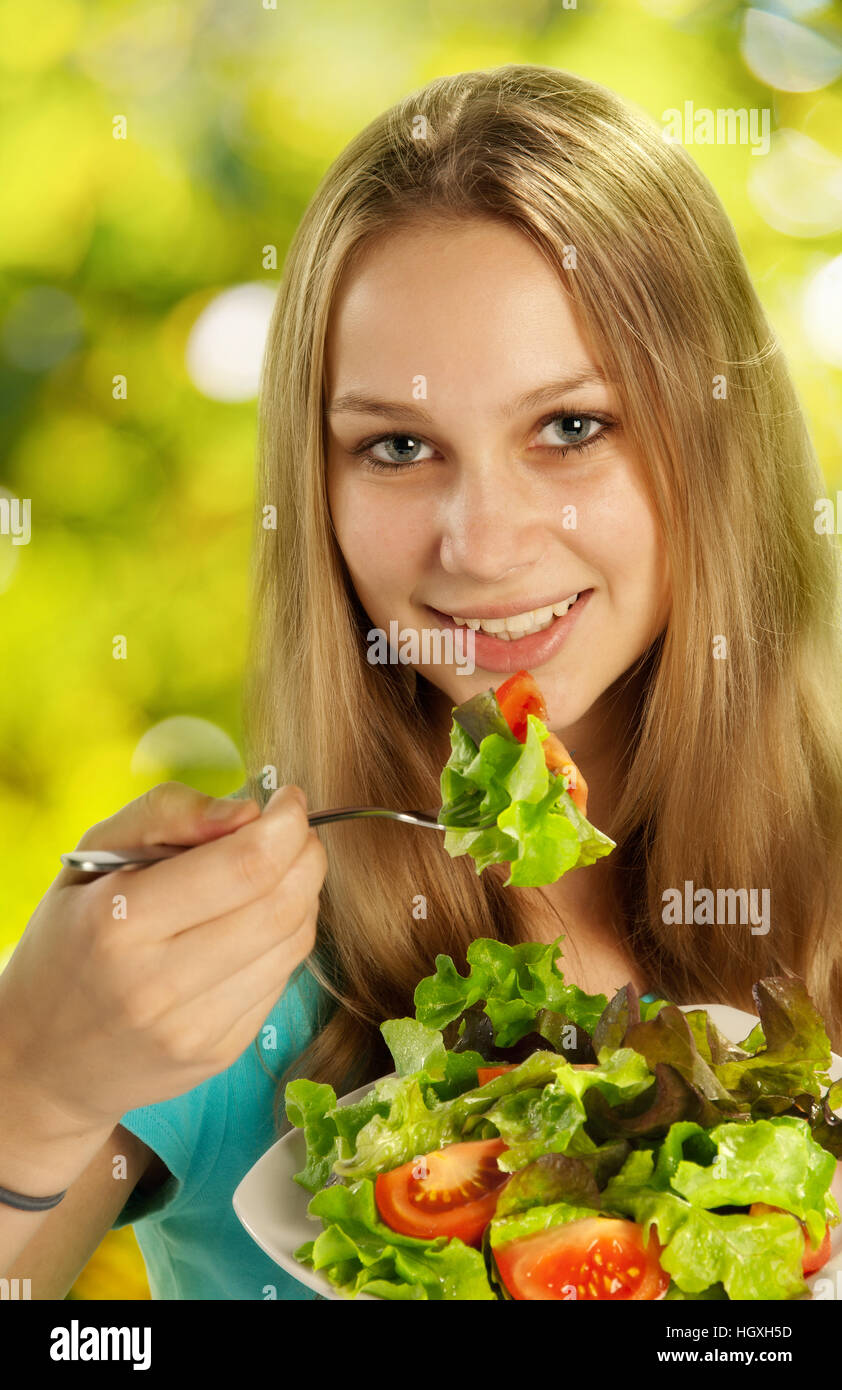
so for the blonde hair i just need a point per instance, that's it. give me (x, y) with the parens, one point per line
(733, 767)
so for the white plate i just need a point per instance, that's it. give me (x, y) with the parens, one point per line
(273, 1208)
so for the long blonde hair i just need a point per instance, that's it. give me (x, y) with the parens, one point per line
(733, 767)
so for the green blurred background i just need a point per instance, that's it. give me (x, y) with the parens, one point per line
(136, 279)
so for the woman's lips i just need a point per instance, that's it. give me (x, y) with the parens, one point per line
(520, 653)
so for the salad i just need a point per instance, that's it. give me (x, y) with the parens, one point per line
(511, 777)
(538, 1142)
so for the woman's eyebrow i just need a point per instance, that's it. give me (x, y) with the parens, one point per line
(357, 403)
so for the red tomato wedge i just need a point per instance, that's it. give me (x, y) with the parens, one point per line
(451, 1192)
(813, 1259)
(488, 1073)
(596, 1257)
(519, 696)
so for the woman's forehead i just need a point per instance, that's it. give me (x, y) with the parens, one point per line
(475, 299)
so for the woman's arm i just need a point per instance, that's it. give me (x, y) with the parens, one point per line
(51, 1248)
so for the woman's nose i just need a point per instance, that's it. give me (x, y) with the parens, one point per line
(489, 527)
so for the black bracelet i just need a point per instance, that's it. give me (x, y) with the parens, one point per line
(17, 1199)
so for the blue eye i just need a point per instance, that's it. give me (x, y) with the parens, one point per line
(582, 431)
(405, 451)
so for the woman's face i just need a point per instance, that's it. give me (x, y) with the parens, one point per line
(501, 491)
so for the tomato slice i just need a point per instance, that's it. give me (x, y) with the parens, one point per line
(599, 1257)
(812, 1259)
(450, 1192)
(558, 759)
(519, 696)
(488, 1073)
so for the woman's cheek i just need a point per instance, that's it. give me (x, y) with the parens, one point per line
(621, 537)
(383, 559)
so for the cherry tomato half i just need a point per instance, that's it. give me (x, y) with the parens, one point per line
(600, 1257)
(450, 1192)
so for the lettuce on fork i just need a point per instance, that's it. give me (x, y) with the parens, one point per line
(524, 811)
(637, 1112)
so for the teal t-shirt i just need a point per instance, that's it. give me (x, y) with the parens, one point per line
(192, 1242)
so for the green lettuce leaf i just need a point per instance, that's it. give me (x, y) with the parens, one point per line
(733, 1164)
(359, 1253)
(408, 1119)
(411, 1121)
(515, 984)
(420, 1051)
(773, 1161)
(414, 1047)
(551, 1119)
(525, 812)
(330, 1130)
(529, 1223)
(674, 1292)
(310, 1106)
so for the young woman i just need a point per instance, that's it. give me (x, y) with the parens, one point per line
(488, 236)
(516, 359)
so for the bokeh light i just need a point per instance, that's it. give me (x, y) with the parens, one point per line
(795, 162)
(186, 749)
(786, 55)
(225, 348)
(823, 312)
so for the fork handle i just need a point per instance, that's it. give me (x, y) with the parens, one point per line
(106, 861)
(348, 813)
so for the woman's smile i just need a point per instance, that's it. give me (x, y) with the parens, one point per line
(499, 643)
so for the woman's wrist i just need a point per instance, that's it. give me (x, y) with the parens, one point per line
(43, 1148)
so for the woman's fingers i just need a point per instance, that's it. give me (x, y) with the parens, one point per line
(210, 880)
(221, 1021)
(195, 961)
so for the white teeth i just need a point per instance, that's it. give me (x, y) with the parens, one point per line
(520, 624)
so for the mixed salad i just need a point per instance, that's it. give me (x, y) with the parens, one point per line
(508, 775)
(538, 1142)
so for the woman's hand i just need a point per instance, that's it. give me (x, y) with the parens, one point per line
(137, 985)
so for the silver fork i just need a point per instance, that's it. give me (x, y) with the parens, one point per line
(105, 861)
